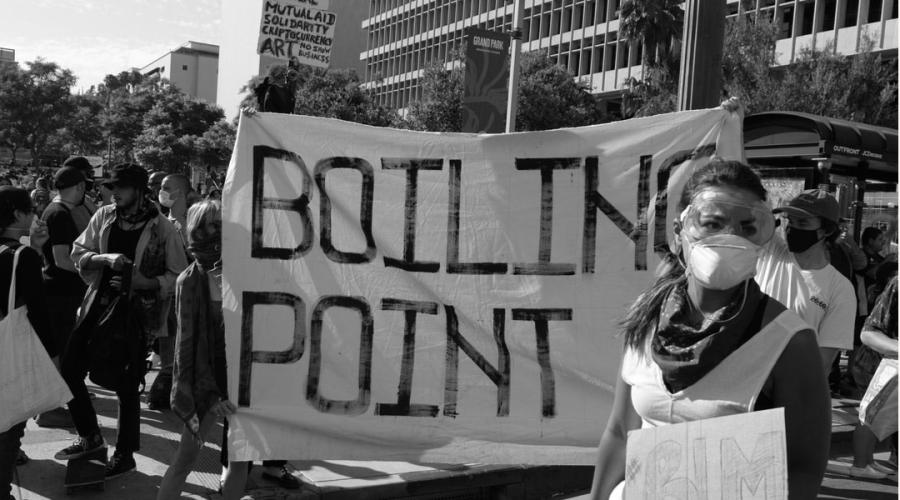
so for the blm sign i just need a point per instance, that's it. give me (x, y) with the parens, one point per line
(296, 28)
(487, 76)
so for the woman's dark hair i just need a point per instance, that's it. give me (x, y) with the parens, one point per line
(12, 199)
(869, 234)
(642, 317)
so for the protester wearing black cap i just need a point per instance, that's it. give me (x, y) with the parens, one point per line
(796, 271)
(83, 210)
(65, 289)
(129, 234)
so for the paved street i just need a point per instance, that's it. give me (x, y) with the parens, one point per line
(42, 477)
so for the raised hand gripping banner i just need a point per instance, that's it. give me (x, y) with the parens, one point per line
(398, 295)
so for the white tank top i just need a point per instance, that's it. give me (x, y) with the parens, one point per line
(731, 387)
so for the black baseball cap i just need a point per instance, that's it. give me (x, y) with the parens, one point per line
(67, 177)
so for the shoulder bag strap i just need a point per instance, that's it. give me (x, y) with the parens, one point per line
(11, 302)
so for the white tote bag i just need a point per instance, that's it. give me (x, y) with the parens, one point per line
(29, 382)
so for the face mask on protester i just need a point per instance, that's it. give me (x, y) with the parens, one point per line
(207, 251)
(166, 199)
(720, 262)
(800, 240)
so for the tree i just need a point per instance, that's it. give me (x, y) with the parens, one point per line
(440, 109)
(549, 97)
(861, 87)
(657, 25)
(339, 94)
(328, 93)
(127, 97)
(654, 23)
(171, 127)
(34, 104)
(82, 133)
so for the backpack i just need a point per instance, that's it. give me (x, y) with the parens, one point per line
(117, 342)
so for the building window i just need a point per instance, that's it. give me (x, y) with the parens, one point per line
(874, 11)
(184, 67)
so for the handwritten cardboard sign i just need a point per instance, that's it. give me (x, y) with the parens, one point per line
(295, 28)
(730, 458)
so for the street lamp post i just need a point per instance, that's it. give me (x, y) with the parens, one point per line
(515, 56)
(699, 81)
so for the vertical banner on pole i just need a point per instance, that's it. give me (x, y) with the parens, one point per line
(485, 84)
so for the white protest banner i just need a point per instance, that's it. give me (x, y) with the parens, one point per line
(401, 295)
(730, 458)
(295, 28)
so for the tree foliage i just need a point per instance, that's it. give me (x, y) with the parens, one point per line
(34, 104)
(654, 23)
(440, 109)
(171, 129)
(861, 87)
(337, 93)
(549, 97)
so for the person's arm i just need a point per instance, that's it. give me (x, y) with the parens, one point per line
(835, 330)
(30, 290)
(876, 331)
(62, 256)
(799, 385)
(176, 260)
(858, 259)
(610, 469)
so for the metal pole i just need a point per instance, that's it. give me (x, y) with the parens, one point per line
(513, 95)
(699, 82)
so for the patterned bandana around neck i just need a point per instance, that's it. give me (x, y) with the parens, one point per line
(685, 353)
(146, 211)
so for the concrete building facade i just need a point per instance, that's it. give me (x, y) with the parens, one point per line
(403, 36)
(193, 68)
(7, 55)
(240, 35)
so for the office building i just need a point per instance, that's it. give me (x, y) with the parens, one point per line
(404, 36)
(7, 55)
(192, 68)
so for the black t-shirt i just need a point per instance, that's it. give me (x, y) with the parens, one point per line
(124, 242)
(62, 231)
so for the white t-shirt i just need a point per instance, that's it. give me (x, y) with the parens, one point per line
(824, 298)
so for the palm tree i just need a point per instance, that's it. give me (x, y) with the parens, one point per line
(654, 23)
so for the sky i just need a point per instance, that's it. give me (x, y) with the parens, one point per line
(94, 38)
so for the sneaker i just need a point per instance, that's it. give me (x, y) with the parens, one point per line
(81, 447)
(56, 418)
(119, 464)
(882, 468)
(867, 472)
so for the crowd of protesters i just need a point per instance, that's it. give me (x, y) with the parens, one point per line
(108, 270)
(99, 275)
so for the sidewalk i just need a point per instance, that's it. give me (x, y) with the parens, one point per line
(42, 477)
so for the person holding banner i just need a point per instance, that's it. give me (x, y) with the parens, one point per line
(703, 341)
(200, 390)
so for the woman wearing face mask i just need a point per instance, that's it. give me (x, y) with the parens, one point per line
(704, 342)
(200, 390)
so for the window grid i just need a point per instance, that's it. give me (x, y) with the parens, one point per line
(581, 35)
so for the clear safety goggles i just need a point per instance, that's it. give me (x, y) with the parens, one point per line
(711, 215)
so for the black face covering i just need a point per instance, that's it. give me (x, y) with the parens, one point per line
(799, 240)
